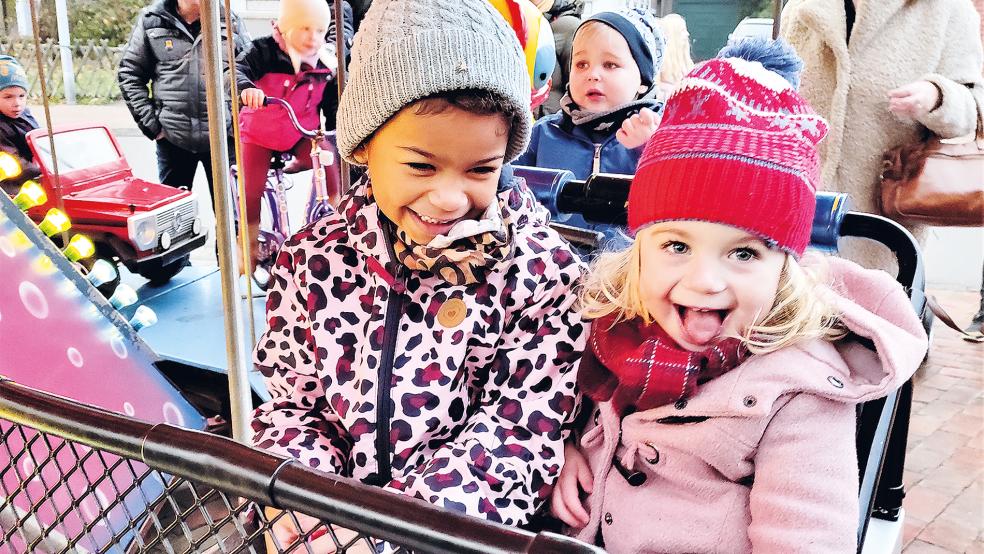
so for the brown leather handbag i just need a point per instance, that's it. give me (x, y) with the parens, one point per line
(934, 182)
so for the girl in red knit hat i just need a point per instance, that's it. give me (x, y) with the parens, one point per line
(725, 397)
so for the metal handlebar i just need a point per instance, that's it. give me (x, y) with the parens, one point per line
(292, 116)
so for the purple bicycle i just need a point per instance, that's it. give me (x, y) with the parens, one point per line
(324, 195)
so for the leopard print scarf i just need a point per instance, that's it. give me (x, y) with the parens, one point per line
(467, 253)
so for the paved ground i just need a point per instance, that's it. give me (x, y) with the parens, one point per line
(945, 466)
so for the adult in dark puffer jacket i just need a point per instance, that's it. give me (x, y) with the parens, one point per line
(165, 51)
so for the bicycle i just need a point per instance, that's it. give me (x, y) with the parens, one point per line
(274, 220)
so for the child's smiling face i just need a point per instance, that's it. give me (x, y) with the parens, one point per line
(13, 101)
(703, 281)
(431, 171)
(603, 73)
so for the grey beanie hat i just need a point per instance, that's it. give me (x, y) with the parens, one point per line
(406, 50)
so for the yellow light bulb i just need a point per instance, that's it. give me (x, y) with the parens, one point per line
(9, 166)
(79, 247)
(31, 194)
(55, 221)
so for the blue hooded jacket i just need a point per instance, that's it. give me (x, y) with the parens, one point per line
(559, 146)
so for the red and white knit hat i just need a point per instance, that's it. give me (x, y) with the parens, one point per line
(737, 145)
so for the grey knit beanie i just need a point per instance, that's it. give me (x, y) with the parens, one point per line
(406, 50)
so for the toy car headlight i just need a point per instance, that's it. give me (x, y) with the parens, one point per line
(143, 231)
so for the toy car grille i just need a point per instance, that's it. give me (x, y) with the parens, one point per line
(176, 221)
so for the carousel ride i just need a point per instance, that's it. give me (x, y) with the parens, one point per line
(89, 328)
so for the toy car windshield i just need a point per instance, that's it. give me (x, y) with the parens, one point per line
(77, 149)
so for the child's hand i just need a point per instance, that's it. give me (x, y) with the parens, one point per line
(253, 98)
(913, 100)
(637, 129)
(320, 541)
(565, 502)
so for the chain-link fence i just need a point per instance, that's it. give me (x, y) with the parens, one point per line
(81, 479)
(94, 64)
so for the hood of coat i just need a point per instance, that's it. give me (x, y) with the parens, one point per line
(564, 7)
(871, 304)
(365, 222)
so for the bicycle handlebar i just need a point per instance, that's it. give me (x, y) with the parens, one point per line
(291, 115)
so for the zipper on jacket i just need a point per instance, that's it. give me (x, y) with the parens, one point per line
(596, 160)
(391, 327)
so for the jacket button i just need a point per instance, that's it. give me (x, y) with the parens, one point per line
(608, 518)
(654, 459)
(680, 404)
(749, 401)
(835, 382)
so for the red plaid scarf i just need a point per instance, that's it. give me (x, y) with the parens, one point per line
(639, 367)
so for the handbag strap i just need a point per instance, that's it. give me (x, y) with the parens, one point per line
(979, 135)
(939, 312)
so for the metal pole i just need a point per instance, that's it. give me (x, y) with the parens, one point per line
(244, 238)
(43, 81)
(225, 236)
(65, 49)
(23, 13)
(340, 80)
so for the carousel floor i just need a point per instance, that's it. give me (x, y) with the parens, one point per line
(190, 329)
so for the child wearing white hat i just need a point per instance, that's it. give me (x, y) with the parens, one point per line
(294, 64)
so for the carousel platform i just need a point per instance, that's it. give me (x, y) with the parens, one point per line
(190, 328)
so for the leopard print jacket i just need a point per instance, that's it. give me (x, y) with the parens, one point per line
(478, 381)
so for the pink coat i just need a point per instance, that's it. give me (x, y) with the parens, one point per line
(762, 459)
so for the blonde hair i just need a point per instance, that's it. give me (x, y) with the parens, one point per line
(799, 313)
(676, 57)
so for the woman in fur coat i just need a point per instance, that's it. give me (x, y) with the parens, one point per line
(881, 72)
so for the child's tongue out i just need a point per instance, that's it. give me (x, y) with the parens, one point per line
(701, 326)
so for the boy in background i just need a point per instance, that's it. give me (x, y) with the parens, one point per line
(15, 121)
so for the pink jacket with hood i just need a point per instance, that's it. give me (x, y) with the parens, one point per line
(761, 459)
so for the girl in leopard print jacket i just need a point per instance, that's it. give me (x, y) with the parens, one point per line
(457, 394)
(424, 338)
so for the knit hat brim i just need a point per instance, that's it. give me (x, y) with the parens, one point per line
(778, 208)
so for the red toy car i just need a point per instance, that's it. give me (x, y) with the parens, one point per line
(148, 227)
